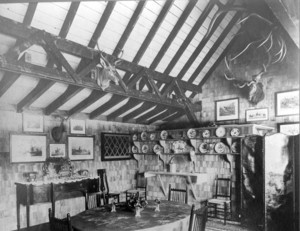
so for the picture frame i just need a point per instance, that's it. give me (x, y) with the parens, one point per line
(115, 146)
(33, 123)
(227, 109)
(57, 150)
(258, 114)
(290, 129)
(287, 103)
(81, 147)
(26, 148)
(77, 126)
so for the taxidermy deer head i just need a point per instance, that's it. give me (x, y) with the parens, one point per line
(262, 48)
(105, 72)
(58, 131)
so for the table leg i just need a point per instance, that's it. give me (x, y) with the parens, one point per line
(27, 206)
(18, 212)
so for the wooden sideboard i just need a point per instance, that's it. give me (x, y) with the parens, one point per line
(30, 193)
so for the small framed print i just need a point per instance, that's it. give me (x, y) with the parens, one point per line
(57, 150)
(287, 103)
(81, 147)
(33, 123)
(259, 114)
(290, 129)
(77, 126)
(26, 148)
(227, 109)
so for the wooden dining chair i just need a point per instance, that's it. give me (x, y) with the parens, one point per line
(140, 187)
(220, 205)
(198, 218)
(92, 200)
(57, 224)
(179, 195)
(104, 187)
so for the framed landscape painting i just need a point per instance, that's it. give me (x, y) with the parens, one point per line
(33, 123)
(290, 129)
(81, 147)
(227, 109)
(27, 148)
(259, 114)
(77, 126)
(57, 150)
(287, 103)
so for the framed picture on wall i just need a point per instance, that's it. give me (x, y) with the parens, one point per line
(27, 148)
(33, 123)
(287, 103)
(57, 150)
(259, 114)
(81, 147)
(77, 126)
(227, 109)
(290, 129)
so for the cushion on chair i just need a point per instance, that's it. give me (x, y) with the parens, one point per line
(218, 201)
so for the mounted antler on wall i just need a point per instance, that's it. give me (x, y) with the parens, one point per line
(262, 46)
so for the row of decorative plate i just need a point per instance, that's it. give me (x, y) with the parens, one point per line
(191, 134)
(218, 147)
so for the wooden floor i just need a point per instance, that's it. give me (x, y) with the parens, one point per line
(42, 227)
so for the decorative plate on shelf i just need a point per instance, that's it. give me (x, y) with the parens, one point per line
(206, 133)
(191, 133)
(144, 136)
(134, 149)
(204, 147)
(220, 147)
(164, 135)
(134, 137)
(179, 146)
(152, 136)
(157, 149)
(220, 131)
(235, 132)
(145, 148)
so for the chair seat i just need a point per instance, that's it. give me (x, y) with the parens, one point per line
(218, 201)
(134, 191)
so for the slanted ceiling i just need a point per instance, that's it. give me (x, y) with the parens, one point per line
(168, 50)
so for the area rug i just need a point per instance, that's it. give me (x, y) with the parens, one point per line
(217, 225)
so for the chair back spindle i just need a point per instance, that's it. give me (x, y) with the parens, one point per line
(179, 195)
(57, 224)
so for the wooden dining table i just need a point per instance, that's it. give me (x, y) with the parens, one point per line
(173, 216)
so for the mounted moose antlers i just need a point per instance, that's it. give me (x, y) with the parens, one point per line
(247, 66)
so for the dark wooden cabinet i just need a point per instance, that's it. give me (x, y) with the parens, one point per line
(40, 192)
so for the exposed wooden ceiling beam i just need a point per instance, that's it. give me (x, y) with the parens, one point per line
(92, 98)
(55, 75)
(145, 106)
(9, 78)
(142, 119)
(66, 96)
(162, 116)
(190, 36)
(45, 84)
(130, 26)
(115, 99)
(150, 35)
(174, 116)
(16, 29)
(135, 78)
(126, 107)
(216, 45)
(98, 31)
(37, 1)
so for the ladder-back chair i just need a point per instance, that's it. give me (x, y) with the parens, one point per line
(179, 195)
(104, 187)
(57, 224)
(140, 188)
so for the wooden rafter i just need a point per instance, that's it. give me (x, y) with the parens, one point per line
(133, 20)
(67, 95)
(92, 98)
(16, 29)
(135, 78)
(126, 107)
(150, 35)
(145, 106)
(142, 119)
(153, 84)
(174, 116)
(115, 99)
(45, 84)
(162, 116)
(98, 31)
(215, 46)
